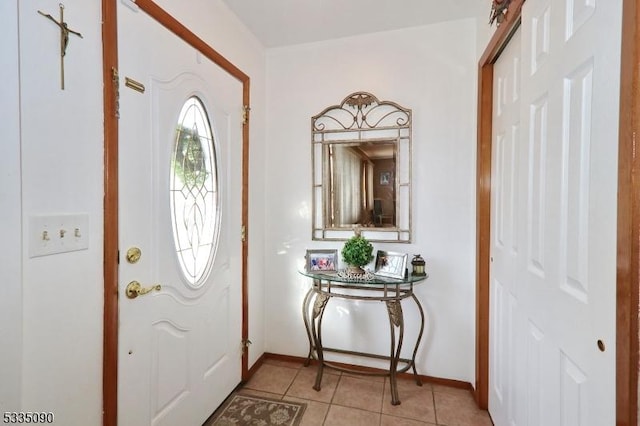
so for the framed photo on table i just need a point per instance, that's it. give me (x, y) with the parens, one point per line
(391, 264)
(321, 260)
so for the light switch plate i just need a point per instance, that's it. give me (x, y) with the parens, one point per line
(51, 234)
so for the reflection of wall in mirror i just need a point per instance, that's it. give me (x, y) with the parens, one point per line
(385, 193)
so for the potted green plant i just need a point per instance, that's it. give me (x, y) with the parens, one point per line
(357, 252)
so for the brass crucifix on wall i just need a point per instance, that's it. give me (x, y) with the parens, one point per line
(64, 39)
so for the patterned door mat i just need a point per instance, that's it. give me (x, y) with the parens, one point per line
(247, 410)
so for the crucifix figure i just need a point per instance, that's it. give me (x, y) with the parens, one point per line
(64, 38)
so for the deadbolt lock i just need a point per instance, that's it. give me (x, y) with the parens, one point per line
(133, 255)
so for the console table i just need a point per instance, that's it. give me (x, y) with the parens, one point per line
(388, 290)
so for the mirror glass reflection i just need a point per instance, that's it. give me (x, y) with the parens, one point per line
(361, 187)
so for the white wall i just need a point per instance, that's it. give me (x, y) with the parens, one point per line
(10, 253)
(62, 166)
(218, 26)
(432, 70)
(484, 33)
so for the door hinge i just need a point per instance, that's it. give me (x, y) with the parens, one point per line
(243, 233)
(115, 80)
(245, 345)
(245, 113)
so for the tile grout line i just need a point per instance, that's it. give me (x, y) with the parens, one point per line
(335, 390)
(292, 381)
(435, 409)
(384, 389)
(330, 403)
(331, 400)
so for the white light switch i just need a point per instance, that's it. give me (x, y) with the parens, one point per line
(53, 234)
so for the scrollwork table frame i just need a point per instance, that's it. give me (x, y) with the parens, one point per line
(388, 290)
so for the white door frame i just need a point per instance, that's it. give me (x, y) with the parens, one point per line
(111, 244)
(628, 270)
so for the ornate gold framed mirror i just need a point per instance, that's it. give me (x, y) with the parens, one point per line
(361, 166)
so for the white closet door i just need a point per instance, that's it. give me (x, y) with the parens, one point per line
(553, 274)
(505, 221)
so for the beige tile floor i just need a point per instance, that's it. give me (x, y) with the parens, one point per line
(353, 400)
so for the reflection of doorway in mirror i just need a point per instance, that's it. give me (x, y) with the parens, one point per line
(354, 193)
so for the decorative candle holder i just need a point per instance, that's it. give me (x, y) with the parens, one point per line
(418, 264)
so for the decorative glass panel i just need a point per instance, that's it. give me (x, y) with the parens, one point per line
(194, 193)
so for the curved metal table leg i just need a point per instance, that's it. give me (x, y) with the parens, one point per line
(307, 323)
(318, 311)
(394, 309)
(415, 349)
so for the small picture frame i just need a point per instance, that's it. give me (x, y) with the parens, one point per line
(385, 178)
(322, 260)
(391, 264)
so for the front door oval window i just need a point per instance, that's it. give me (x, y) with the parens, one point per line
(194, 193)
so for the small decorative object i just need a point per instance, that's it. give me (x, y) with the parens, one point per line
(356, 276)
(498, 11)
(391, 264)
(64, 38)
(322, 260)
(357, 252)
(418, 266)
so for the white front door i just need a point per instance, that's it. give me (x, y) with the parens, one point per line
(553, 276)
(180, 205)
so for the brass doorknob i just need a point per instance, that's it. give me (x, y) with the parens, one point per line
(134, 289)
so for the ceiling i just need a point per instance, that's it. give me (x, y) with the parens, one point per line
(285, 22)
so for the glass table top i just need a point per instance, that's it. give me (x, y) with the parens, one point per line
(371, 278)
